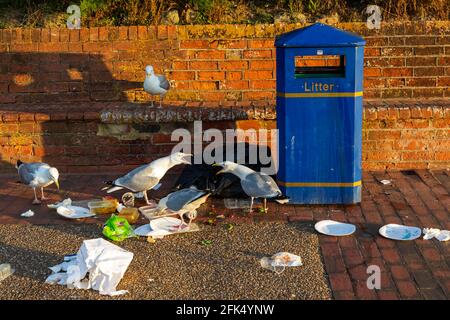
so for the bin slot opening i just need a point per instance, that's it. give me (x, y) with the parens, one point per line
(320, 66)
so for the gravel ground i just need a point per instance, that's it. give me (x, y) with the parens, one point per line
(176, 267)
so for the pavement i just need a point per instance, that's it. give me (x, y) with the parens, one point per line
(333, 267)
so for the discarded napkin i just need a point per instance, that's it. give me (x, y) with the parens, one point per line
(27, 214)
(441, 235)
(279, 261)
(105, 262)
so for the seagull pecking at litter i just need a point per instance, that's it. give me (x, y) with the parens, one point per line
(184, 202)
(155, 84)
(147, 177)
(255, 184)
(37, 175)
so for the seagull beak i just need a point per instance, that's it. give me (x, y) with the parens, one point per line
(57, 184)
(221, 171)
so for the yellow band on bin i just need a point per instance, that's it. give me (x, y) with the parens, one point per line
(320, 184)
(320, 94)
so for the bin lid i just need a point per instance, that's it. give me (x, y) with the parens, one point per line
(319, 35)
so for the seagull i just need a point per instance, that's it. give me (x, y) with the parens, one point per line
(37, 175)
(183, 202)
(155, 84)
(254, 184)
(147, 177)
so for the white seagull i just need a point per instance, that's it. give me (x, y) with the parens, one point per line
(37, 175)
(155, 84)
(255, 184)
(147, 177)
(184, 202)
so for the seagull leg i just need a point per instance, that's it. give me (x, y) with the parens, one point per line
(265, 205)
(251, 205)
(146, 197)
(160, 101)
(36, 200)
(42, 192)
(182, 222)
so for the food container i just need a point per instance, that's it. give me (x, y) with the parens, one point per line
(131, 214)
(103, 206)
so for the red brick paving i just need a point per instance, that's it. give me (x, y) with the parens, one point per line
(409, 270)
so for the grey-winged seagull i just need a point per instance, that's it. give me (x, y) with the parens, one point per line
(255, 184)
(155, 84)
(37, 175)
(146, 177)
(184, 202)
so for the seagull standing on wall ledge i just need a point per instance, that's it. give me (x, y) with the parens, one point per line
(37, 175)
(155, 84)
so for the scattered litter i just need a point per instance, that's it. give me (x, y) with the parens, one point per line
(334, 228)
(74, 212)
(229, 226)
(105, 263)
(5, 271)
(399, 232)
(27, 214)
(131, 214)
(149, 211)
(150, 239)
(441, 235)
(220, 216)
(234, 203)
(279, 261)
(117, 228)
(70, 257)
(385, 182)
(103, 206)
(128, 199)
(65, 202)
(282, 200)
(206, 242)
(430, 233)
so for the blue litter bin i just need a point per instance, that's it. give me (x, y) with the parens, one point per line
(319, 114)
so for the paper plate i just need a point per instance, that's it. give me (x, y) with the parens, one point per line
(334, 228)
(146, 231)
(166, 225)
(400, 232)
(74, 212)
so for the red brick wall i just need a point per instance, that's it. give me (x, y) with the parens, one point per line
(207, 63)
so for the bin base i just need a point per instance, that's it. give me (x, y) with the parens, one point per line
(321, 195)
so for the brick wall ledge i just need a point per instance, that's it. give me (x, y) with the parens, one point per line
(127, 112)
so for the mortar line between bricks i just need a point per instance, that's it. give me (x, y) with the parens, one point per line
(387, 264)
(432, 187)
(417, 248)
(380, 213)
(433, 245)
(420, 196)
(391, 199)
(353, 282)
(430, 243)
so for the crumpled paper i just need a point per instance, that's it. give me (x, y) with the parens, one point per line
(279, 261)
(65, 202)
(98, 265)
(27, 214)
(441, 235)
